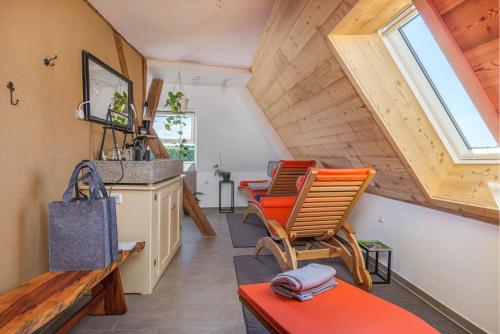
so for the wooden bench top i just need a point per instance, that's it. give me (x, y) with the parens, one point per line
(35, 303)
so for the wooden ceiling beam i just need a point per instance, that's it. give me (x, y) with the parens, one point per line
(121, 54)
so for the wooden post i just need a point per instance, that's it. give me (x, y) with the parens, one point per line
(113, 302)
(189, 201)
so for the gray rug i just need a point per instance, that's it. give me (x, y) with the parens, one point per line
(245, 235)
(251, 269)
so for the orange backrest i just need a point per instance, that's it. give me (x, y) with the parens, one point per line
(325, 200)
(285, 179)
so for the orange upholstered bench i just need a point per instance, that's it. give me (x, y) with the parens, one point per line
(343, 309)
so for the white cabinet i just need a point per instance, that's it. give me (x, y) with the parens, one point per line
(152, 213)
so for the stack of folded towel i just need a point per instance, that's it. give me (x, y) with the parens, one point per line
(305, 282)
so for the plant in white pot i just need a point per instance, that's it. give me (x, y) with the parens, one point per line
(219, 171)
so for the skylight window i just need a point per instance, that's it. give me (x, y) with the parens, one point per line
(446, 84)
(438, 89)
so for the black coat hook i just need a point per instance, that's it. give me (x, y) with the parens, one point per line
(11, 88)
(49, 61)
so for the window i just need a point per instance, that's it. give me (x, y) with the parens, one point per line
(177, 133)
(439, 90)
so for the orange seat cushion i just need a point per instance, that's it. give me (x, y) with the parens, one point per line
(343, 309)
(277, 208)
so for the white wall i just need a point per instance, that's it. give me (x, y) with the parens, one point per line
(225, 126)
(453, 259)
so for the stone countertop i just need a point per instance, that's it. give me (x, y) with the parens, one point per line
(139, 172)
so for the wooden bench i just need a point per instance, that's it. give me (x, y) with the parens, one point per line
(35, 303)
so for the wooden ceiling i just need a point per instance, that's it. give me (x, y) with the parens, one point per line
(313, 105)
(474, 26)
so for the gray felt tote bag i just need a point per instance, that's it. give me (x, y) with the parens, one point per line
(82, 229)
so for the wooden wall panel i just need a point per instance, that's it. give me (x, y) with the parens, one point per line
(312, 104)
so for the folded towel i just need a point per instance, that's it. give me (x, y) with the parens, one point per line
(304, 278)
(305, 282)
(306, 294)
(259, 185)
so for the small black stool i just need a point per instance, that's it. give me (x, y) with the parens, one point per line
(229, 209)
(377, 247)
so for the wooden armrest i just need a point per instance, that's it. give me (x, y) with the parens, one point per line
(278, 229)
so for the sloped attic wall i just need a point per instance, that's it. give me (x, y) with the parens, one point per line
(312, 104)
(317, 112)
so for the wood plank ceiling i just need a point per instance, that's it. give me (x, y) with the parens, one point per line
(311, 103)
(474, 26)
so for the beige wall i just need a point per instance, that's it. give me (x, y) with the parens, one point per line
(41, 140)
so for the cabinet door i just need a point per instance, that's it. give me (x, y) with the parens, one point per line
(164, 230)
(175, 212)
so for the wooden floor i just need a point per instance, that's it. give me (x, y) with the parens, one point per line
(197, 293)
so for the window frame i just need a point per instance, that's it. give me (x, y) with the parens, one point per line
(168, 143)
(443, 124)
(192, 114)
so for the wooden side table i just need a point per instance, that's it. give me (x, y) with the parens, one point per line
(377, 247)
(226, 209)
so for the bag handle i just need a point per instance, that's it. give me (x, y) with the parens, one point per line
(95, 185)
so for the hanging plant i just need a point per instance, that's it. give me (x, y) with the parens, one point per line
(176, 124)
(174, 102)
(177, 104)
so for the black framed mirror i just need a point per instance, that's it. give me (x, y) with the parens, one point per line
(103, 89)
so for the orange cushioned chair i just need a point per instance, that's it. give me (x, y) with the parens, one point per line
(343, 309)
(318, 216)
(283, 180)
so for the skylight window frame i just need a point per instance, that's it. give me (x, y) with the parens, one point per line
(428, 98)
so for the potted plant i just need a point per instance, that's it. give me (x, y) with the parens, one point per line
(174, 102)
(177, 101)
(222, 173)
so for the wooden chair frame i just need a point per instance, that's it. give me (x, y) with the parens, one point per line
(284, 182)
(319, 217)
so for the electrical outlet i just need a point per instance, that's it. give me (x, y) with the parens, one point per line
(118, 197)
(380, 219)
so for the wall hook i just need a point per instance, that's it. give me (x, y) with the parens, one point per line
(49, 61)
(11, 88)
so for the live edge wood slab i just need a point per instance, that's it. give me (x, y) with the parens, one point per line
(35, 303)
